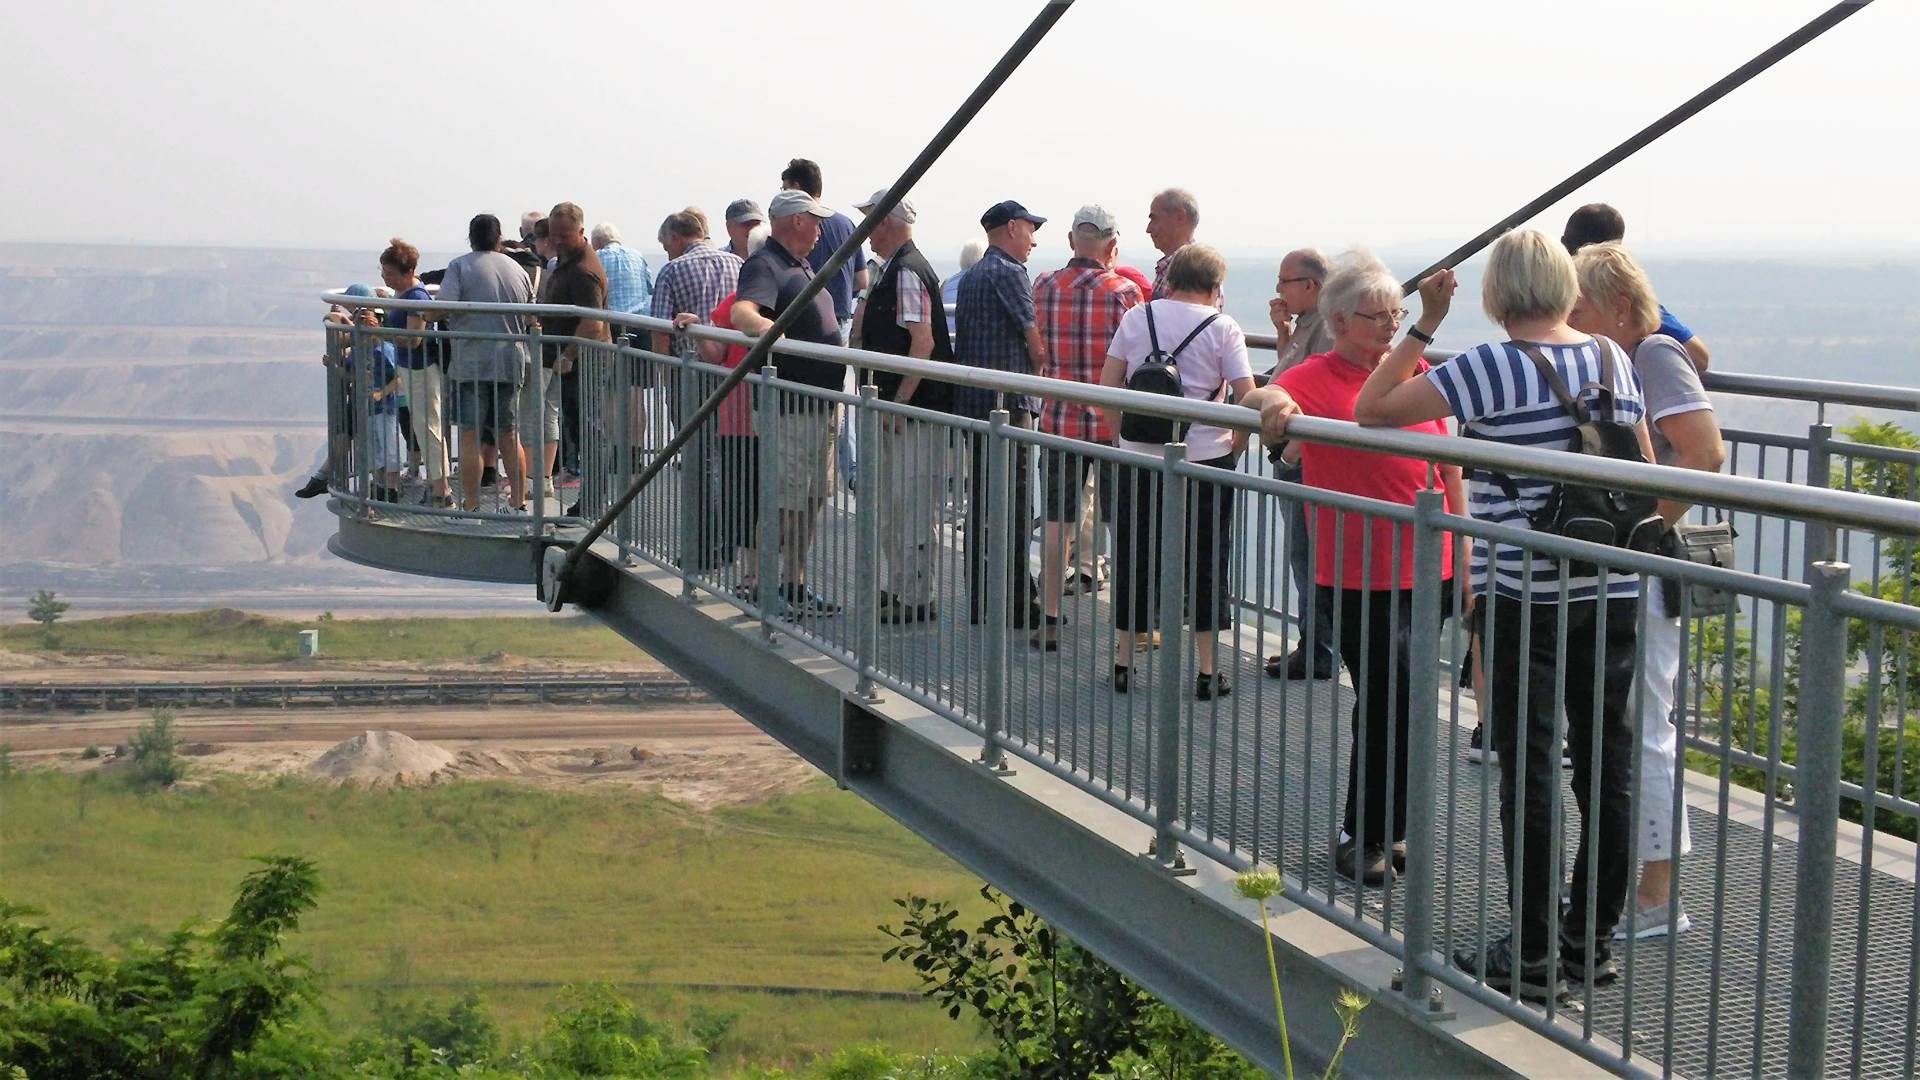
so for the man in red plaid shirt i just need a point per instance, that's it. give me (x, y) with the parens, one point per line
(1077, 307)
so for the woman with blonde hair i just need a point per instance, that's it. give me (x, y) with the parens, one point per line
(1503, 391)
(1617, 301)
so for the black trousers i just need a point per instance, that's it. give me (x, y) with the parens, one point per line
(1022, 591)
(1530, 758)
(1136, 549)
(1375, 626)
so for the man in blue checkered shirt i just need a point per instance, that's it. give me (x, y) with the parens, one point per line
(996, 329)
(629, 284)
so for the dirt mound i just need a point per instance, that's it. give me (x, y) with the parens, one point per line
(16, 661)
(376, 757)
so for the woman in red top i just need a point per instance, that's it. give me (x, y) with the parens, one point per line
(1364, 564)
(738, 448)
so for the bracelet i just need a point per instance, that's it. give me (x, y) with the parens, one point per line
(1416, 334)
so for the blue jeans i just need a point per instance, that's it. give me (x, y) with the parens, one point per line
(1312, 603)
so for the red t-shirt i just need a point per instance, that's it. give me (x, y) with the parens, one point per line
(736, 413)
(1326, 385)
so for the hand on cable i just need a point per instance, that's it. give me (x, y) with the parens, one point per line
(1436, 295)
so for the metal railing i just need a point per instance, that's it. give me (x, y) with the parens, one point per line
(934, 578)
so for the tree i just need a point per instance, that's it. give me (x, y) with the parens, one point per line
(46, 608)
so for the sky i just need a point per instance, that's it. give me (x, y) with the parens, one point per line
(1402, 126)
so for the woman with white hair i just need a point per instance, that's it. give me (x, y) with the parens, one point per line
(1617, 301)
(1503, 391)
(1363, 565)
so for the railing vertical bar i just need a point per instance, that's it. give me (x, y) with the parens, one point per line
(1869, 784)
(1423, 716)
(768, 421)
(866, 563)
(994, 613)
(1172, 547)
(1823, 691)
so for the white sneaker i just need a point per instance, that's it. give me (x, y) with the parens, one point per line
(1653, 922)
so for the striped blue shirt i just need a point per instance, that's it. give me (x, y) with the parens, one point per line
(629, 284)
(1497, 394)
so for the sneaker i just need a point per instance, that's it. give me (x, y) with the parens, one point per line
(1536, 981)
(1208, 687)
(804, 601)
(574, 510)
(1399, 854)
(1653, 922)
(1573, 965)
(1293, 666)
(440, 502)
(315, 485)
(1082, 584)
(1122, 675)
(1367, 866)
(1477, 748)
(1047, 638)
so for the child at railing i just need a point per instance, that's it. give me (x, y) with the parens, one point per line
(386, 453)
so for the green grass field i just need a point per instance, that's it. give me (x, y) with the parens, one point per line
(228, 636)
(512, 891)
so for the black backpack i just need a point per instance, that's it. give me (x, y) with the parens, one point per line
(1624, 519)
(1159, 373)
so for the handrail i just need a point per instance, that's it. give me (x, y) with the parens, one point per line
(1840, 508)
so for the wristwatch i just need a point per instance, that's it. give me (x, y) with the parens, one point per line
(1417, 334)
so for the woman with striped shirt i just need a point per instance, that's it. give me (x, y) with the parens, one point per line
(1494, 391)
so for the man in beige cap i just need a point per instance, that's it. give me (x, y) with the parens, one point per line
(901, 316)
(770, 281)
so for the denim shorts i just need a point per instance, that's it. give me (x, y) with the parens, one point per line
(484, 404)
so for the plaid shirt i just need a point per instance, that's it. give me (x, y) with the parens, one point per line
(695, 282)
(1079, 308)
(995, 312)
(1160, 274)
(629, 284)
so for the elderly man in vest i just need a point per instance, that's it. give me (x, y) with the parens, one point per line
(901, 316)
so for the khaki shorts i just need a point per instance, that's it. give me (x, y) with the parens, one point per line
(805, 453)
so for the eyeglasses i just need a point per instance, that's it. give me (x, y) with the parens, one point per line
(1293, 280)
(1384, 318)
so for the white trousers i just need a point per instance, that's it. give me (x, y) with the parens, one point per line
(1658, 675)
(424, 411)
(911, 482)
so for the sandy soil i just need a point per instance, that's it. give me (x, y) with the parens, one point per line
(108, 667)
(702, 756)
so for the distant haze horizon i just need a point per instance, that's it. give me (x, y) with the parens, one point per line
(1399, 124)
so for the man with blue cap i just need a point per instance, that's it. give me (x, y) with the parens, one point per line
(340, 385)
(995, 329)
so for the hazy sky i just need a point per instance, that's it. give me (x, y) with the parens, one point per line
(1406, 126)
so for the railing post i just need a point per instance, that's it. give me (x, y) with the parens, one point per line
(1819, 538)
(1170, 679)
(866, 569)
(1823, 678)
(359, 385)
(1423, 719)
(767, 538)
(692, 498)
(620, 378)
(537, 455)
(994, 612)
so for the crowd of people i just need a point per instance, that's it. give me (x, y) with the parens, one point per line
(1576, 313)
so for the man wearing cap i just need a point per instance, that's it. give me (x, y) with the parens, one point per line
(743, 217)
(1172, 217)
(770, 282)
(900, 316)
(996, 328)
(697, 276)
(1078, 307)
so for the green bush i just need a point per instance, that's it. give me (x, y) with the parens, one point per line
(156, 752)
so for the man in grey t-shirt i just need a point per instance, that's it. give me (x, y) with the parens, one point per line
(485, 376)
(1670, 385)
(1299, 333)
